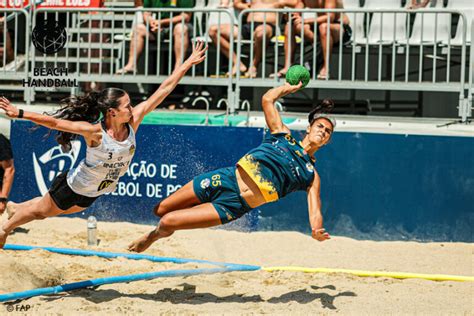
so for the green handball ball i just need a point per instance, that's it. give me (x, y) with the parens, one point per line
(297, 73)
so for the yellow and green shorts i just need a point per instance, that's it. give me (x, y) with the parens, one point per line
(220, 188)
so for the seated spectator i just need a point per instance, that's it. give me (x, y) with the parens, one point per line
(7, 42)
(259, 32)
(224, 30)
(7, 171)
(180, 31)
(323, 32)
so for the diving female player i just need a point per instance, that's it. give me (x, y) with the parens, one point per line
(110, 146)
(279, 166)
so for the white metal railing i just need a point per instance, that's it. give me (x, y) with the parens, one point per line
(469, 108)
(99, 38)
(94, 60)
(15, 70)
(427, 40)
(354, 48)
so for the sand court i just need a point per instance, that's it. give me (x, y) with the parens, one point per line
(277, 292)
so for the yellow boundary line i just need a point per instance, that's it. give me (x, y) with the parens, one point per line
(361, 273)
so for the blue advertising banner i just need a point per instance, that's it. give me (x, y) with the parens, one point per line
(375, 186)
(166, 158)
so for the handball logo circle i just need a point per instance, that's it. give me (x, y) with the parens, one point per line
(49, 38)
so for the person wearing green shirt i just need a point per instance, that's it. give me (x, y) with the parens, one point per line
(154, 22)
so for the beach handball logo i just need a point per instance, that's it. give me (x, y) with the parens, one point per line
(52, 163)
(49, 37)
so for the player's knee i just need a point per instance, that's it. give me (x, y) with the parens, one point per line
(162, 208)
(169, 222)
(158, 209)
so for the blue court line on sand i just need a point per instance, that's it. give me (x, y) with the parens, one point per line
(104, 254)
(223, 267)
(111, 280)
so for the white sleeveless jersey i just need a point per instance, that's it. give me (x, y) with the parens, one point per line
(100, 171)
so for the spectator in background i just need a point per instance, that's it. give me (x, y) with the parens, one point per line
(95, 37)
(225, 29)
(180, 31)
(259, 32)
(307, 24)
(7, 171)
(417, 4)
(7, 42)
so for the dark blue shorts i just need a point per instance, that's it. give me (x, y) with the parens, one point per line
(220, 188)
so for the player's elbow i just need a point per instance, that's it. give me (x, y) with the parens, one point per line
(53, 123)
(11, 171)
(267, 101)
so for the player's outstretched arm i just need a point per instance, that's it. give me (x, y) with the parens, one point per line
(272, 117)
(139, 112)
(78, 127)
(314, 210)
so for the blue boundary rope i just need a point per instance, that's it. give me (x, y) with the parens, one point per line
(104, 254)
(222, 267)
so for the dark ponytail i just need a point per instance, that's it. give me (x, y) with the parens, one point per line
(87, 108)
(321, 111)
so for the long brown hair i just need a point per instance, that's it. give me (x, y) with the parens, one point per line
(322, 110)
(87, 108)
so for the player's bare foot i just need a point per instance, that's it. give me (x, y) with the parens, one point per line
(143, 243)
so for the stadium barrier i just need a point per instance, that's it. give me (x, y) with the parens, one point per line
(470, 107)
(106, 33)
(16, 70)
(404, 47)
(416, 54)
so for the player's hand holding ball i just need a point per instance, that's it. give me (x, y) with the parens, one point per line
(297, 78)
(297, 74)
